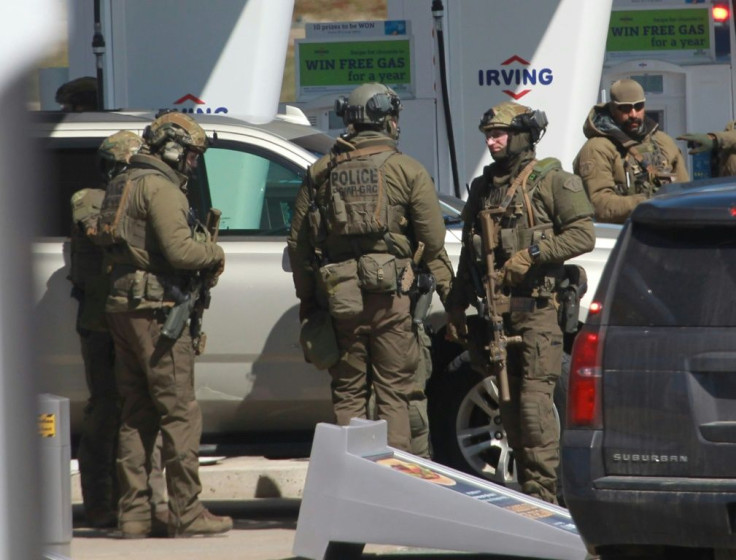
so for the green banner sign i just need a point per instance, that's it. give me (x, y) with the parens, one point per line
(651, 30)
(351, 63)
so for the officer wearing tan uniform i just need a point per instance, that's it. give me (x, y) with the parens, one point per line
(721, 144)
(360, 215)
(543, 218)
(98, 441)
(101, 422)
(154, 257)
(626, 157)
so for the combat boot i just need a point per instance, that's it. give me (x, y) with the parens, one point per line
(160, 524)
(205, 524)
(135, 529)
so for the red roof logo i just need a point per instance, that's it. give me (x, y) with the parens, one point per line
(515, 58)
(189, 97)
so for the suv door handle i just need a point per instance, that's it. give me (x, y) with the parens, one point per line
(713, 362)
(719, 432)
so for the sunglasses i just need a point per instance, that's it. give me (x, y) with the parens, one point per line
(626, 107)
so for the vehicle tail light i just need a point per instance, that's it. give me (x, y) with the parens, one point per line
(584, 399)
(721, 13)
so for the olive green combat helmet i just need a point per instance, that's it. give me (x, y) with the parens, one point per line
(171, 134)
(515, 117)
(116, 150)
(370, 104)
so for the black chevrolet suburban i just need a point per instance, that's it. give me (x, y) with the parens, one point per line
(649, 450)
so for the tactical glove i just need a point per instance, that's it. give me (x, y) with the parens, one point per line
(514, 269)
(457, 325)
(215, 276)
(698, 142)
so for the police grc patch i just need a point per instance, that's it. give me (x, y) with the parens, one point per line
(352, 182)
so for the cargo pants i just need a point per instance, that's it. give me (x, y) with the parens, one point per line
(380, 336)
(529, 418)
(98, 442)
(418, 414)
(156, 383)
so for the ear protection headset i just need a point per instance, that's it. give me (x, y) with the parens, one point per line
(535, 122)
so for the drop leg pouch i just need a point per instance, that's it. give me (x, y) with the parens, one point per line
(318, 340)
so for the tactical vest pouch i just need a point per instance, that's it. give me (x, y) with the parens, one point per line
(509, 242)
(378, 273)
(569, 293)
(318, 340)
(341, 286)
(86, 205)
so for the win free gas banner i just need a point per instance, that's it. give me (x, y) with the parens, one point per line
(330, 66)
(675, 34)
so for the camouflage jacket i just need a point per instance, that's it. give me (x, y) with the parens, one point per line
(169, 252)
(726, 150)
(609, 169)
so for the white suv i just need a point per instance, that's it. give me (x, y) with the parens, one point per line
(252, 379)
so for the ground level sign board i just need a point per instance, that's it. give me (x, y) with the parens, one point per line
(359, 490)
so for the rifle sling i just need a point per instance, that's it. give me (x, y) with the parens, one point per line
(520, 179)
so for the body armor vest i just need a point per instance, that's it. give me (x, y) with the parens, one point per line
(646, 168)
(357, 197)
(116, 225)
(519, 226)
(350, 211)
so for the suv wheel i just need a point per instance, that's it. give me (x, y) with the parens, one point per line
(465, 421)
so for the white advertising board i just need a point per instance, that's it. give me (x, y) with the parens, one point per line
(220, 56)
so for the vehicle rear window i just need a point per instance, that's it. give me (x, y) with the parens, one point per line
(676, 277)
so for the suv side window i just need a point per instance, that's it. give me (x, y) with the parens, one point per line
(254, 189)
(677, 277)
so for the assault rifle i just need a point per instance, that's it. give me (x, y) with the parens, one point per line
(495, 304)
(191, 305)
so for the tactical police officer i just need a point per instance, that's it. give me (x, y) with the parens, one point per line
(363, 215)
(722, 146)
(98, 441)
(541, 217)
(155, 258)
(626, 157)
(97, 444)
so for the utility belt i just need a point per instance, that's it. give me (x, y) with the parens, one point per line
(142, 285)
(567, 292)
(524, 304)
(343, 283)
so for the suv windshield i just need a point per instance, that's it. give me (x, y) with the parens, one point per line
(677, 277)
